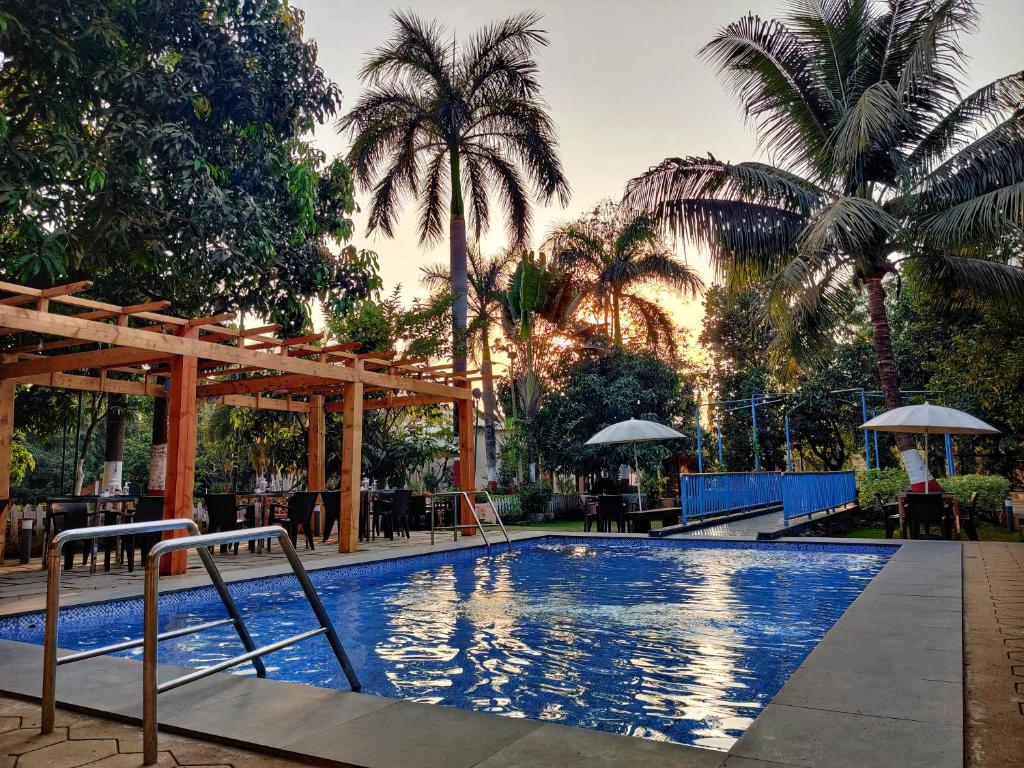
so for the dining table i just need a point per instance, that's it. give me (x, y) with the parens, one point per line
(115, 513)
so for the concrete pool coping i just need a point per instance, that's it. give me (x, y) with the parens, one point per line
(883, 687)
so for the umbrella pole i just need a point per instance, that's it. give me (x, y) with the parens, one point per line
(927, 472)
(639, 494)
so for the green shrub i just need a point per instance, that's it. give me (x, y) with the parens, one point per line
(889, 483)
(884, 483)
(992, 490)
(534, 498)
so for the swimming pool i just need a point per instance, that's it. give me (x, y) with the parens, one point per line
(672, 640)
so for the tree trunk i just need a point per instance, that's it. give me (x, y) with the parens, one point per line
(158, 452)
(457, 270)
(490, 434)
(616, 320)
(888, 376)
(113, 449)
(94, 419)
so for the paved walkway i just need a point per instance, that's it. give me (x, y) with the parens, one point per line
(994, 653)
(80, 740)
(742, 529)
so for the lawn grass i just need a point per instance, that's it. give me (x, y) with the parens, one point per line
(986, 532)
(575, 526)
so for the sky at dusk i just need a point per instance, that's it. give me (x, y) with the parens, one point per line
(624, 85)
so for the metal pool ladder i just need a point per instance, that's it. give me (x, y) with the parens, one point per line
(203, 545)
(480, 526)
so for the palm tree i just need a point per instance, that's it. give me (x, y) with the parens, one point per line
(878, 164)
(443, 119)
(613, 252)
(487, 278)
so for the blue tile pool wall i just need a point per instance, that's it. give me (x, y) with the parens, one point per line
(667, 639)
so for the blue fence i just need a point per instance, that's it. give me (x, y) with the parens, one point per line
(804, 493)
(716, 493)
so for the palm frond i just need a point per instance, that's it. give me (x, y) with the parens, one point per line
(770, 72)
(417, 51)
(661, 268)
(854, 226)
(934, 57)
(511, 189)
(657, 327)
(707, 178)
(990, 105)
(986, 218)
(432, 199)
(876, 120)
(956, 281)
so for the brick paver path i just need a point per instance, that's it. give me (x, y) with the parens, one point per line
(994, 654)
(80, 740)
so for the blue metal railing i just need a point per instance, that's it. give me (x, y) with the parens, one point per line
(716, 493)
(804, 493)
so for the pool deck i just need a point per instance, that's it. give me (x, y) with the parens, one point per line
(884, 687)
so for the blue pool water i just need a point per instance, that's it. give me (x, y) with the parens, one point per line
(669, 640)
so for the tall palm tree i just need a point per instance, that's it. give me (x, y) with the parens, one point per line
(458, 120)
(613, 252)
(878, 163)
(487, 278)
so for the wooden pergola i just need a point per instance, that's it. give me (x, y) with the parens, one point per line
(95, 346)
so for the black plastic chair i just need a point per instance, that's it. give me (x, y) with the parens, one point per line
(610, 508)
(393, 510)
(332, 511)
(926, 509)
(444, 508)
(149, 509)
(68, 515)
(222, 515)
(969, 516)
(299, 511)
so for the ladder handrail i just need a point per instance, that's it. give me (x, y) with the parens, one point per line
(472, 508)
(202, 543)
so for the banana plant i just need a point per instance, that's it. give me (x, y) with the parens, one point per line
(536, 290)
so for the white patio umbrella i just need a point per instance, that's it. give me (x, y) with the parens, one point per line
(634, 431)
(928, 419)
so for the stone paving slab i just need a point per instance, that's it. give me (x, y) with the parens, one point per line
(994, 653)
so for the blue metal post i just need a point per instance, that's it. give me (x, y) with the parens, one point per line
(789, 448)
(950, 469)
(718, 428)
(753, 425)
(878, 462)
(700, 445)
(864, 416)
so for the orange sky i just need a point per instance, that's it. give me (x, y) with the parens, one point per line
(624, 86)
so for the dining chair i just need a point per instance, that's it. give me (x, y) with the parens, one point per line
(298, 511)
(65, 514)
(332, 511)
(610, 508)
(393, 510)
(222, 515)
(926, 509)
(149, 509)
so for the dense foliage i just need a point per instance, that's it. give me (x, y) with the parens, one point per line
(156, 148)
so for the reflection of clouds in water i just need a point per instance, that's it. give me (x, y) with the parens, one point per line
(684, 644)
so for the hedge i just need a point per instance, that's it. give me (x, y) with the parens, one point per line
(889, 483)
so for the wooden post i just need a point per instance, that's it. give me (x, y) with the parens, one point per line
(316, 479)
(181, 447)
(467, 463)
(6, 437)
(351, 464)
(315, 474)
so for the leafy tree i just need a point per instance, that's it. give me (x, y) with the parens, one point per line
(879, 161)
(383, 325)
(155, 147)
(442, 119)
(589, 394)
(486, 281)
(612, 252)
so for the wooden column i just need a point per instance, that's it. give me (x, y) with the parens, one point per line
(467, 462)
(181, 447)
(6, 437)
(315, 474)
(351, 464)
